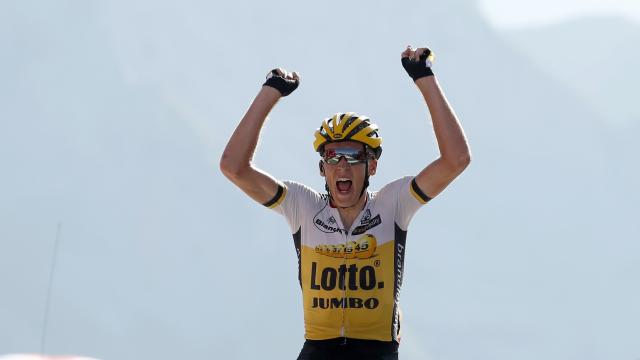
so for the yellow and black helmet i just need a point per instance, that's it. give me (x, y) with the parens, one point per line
(348, 127)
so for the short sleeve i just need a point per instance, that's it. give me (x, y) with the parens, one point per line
(407, 198)
(293, 203)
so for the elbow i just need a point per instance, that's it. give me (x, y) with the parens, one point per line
(459, 163)
(226, 168)
(230, 168)
(464, 160)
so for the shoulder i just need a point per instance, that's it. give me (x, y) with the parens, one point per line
(294, 186)
(394, 186)
(403, 189)
(300, 192)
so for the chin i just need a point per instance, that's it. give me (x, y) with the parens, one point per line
(343, 204)
(346, 201)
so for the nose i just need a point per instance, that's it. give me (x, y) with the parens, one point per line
(343, 162)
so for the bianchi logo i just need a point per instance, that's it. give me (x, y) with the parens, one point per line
(363, 248)
(328, 226)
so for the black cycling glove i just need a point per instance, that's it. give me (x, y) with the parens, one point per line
(285, 86)
(421, 68)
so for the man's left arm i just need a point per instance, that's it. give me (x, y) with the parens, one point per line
(452, 143)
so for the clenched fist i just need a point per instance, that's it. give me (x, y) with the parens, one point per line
(283, 81)
(417, 62)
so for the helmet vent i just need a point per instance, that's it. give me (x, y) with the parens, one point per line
(362, 125)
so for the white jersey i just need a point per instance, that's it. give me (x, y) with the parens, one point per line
(350, 278)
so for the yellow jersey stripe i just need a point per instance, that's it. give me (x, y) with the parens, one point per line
(277, 198)
(417, 193)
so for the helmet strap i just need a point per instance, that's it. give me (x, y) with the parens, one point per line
(365, 184)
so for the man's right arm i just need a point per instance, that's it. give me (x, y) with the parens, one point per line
(236, 161)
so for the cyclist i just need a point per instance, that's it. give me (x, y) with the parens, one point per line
(350, 242)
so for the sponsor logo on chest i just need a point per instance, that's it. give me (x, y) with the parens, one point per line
(330, 224)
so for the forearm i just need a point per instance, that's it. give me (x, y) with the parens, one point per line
(452, 142)
(238, 154)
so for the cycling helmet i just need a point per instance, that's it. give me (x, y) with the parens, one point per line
(348, 127)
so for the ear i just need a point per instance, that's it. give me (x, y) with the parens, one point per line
(373, 166)
(321, 166)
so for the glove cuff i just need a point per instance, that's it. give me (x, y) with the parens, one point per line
(420, 73)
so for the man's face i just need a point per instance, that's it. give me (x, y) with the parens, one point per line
(345, 181)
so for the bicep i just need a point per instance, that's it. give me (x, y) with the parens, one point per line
(434, 178)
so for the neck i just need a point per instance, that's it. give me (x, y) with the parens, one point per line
(348, 214)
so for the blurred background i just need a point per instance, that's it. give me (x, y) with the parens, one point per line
(120, 238)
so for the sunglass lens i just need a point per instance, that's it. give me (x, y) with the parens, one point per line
(352, 156)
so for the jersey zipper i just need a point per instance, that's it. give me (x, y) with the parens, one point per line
(345, 280)
(344, 290)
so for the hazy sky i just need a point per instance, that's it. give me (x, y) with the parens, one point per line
(525, 13)
(114, 115)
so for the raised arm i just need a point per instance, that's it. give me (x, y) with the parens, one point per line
(236, 162)
(454, 150)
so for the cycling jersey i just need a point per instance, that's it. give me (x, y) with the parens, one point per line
(350, 278)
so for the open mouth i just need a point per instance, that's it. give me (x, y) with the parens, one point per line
(343, 185)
